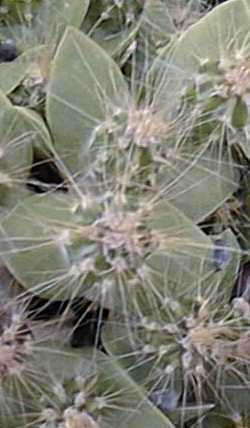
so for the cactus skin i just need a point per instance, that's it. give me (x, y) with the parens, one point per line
(97, 393)
(141, 157)
(108, 242)
(22, 355)
(80, 259)
(214, 68)
(175, 353)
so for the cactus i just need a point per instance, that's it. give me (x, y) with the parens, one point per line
(97, 393)
(24, 356)
(166, 20)
(20, 129)
(191, 356)
(124, 220)
(215, 74)
(124, 157)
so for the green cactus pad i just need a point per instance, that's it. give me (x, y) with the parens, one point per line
(98, 392)
(17, 134)
(187, 345)
(43, 19)
(85, 83)
(220, 36)
(58, 248)
(12, 73)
